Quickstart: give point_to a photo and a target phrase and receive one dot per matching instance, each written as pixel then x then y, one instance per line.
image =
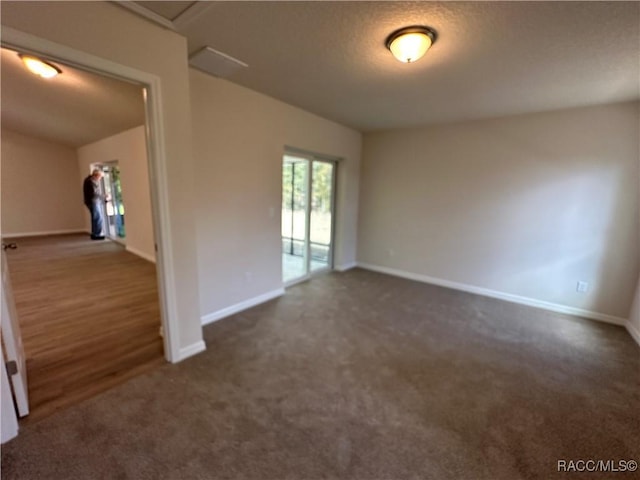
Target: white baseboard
pixel 346 266
pixel 141 254
pixel 192 350
pixel 119 241
pixel 554 307
pixel 633 331
pixel 238 307
pixel 42 234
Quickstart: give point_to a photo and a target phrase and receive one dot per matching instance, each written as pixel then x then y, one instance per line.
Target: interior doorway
pixel 159 184
pixel 90 312
pixel 307 216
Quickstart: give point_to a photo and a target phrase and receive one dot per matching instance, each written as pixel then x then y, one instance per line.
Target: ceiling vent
pixel 215 63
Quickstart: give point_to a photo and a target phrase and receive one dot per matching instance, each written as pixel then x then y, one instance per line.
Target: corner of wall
pixel 191 350
pixel 633 331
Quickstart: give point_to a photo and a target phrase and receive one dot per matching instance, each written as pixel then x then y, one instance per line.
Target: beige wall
pixel 526 205
pixel 129 149
pixel 40 189
pixel 634 316
pixel 105 30
pixel 239 139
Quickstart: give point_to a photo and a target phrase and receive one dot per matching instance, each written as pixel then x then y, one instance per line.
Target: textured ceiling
pixel 74 108
pixel 491 58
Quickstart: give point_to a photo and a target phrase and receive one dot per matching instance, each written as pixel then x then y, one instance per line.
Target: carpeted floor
pixel 360 376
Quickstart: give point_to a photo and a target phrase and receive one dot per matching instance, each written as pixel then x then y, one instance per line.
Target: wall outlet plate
pixel 582 287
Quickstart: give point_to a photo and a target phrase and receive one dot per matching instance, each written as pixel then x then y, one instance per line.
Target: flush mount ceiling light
pixel 411 43
pixel 39 67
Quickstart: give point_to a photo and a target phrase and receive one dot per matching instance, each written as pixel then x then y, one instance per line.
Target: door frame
pixel 311 157
pixel 151 86
pixel 12 341
pixel 8 417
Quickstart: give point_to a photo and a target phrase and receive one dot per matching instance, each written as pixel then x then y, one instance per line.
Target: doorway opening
pixel 91 313
pixel 308 185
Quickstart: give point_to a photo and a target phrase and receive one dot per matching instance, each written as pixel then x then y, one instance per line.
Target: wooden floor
pixel 89 315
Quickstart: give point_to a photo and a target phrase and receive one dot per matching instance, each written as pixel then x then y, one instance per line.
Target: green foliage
pixel 294 186
pixel 117 199
pixel 322 184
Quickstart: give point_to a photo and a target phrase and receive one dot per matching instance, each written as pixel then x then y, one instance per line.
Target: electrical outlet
pixel 582 287
pixel 392 252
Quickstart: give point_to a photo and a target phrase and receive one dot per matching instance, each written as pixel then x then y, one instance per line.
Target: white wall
pixel 239 138
pixel 634 316
pixel 526 205
pixel 105 30
pixel 129 149
pixel 633 325
pixel 40 190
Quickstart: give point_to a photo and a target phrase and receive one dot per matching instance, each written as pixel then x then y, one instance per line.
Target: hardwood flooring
pixel 89 315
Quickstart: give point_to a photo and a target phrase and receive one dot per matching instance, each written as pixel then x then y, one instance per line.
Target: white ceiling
pixel 491 58
pixel 75 108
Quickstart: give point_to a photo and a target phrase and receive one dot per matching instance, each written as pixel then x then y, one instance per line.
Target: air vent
pixel 215 63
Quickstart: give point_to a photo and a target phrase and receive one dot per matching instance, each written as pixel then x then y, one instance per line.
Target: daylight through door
pixel 114 207
pixel 307 216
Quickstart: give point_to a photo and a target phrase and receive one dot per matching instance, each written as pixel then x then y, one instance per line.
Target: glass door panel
pixel 109 230
pixel 295 194
pixel 114 207
pixel 321 221
pixel 116 199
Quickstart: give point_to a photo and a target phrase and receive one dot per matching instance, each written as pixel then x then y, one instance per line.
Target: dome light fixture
pixel 410 43
pixel 39 67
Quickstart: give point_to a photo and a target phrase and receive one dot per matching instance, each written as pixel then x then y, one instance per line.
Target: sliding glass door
pixel 114 206
pixel 307 216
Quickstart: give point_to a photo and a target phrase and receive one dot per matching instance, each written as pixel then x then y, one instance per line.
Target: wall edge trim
pixel 45 233
pixel 191 350
pixel 346 266
pixel 509 297
pixel 239 307
pixel 633 331
pixel 140 254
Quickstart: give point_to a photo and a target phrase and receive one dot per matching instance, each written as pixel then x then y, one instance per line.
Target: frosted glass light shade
pixel 38 67
pixel 411 43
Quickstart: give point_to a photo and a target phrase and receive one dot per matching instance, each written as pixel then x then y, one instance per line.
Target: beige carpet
pixel 360 376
